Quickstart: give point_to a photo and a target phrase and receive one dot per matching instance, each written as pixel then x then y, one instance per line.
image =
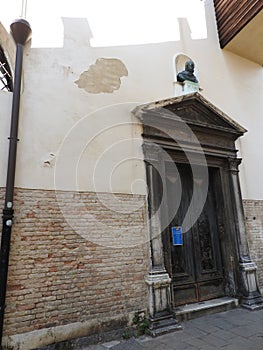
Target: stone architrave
pixel 251 297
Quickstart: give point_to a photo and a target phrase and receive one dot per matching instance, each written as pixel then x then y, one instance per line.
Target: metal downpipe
pixel 21 32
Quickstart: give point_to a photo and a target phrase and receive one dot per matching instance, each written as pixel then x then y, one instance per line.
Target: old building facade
pixel 114 154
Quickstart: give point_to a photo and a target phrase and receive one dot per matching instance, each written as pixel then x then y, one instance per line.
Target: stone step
pixel 164 327
pixel 190 311
pixel 162 324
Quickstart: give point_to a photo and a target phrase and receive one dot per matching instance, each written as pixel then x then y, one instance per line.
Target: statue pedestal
pixel 187 87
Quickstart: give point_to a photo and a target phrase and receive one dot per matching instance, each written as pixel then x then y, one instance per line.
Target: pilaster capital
pixel 233 164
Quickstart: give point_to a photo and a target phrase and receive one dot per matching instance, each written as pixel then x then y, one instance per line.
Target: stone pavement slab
pixel 238 329
pixel 95 347
pixel 131 344
pixel 111 344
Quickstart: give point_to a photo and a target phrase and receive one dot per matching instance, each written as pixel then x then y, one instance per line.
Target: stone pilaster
pixel 158 280
pixel 248 284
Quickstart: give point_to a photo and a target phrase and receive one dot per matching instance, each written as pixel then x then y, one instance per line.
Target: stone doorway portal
pixel 181 136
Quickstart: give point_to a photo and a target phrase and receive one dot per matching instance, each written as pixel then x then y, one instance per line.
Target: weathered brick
pixel 57 276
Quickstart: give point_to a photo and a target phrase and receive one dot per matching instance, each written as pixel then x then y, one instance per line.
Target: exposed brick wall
pixel 254 221
pixel 57 276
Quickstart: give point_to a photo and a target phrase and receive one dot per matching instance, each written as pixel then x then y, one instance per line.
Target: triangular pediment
pixel 194 110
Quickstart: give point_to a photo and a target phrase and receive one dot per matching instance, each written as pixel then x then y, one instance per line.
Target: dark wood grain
pixel 234 15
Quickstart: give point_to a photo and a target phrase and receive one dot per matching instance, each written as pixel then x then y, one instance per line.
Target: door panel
pixel 184 294
pixel 182 263
pixel 195 267
pixel 207 236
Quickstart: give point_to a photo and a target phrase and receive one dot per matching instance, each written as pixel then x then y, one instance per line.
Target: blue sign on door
pixel 177 235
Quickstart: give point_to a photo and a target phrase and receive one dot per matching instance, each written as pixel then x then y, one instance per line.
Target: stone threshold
pixel 190 311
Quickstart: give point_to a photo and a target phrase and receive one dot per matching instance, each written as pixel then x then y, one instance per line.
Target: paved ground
pixel 237 329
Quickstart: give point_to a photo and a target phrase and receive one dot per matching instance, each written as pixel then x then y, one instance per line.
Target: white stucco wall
pixel 79 134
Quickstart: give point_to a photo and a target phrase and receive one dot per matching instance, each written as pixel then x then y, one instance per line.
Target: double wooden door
pixel 195 266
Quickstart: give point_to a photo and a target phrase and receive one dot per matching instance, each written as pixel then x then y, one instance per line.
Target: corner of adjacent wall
pixel 254 222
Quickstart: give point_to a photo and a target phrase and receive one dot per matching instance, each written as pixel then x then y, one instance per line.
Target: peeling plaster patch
pixel 103 76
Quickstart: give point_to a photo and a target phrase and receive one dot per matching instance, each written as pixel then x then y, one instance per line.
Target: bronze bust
pixel 188 73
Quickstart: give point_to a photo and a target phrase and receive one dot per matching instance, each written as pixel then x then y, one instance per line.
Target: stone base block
pixel 252 299
pixel 163 323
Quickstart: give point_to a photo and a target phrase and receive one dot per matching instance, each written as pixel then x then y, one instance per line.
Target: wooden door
pixel 195 267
